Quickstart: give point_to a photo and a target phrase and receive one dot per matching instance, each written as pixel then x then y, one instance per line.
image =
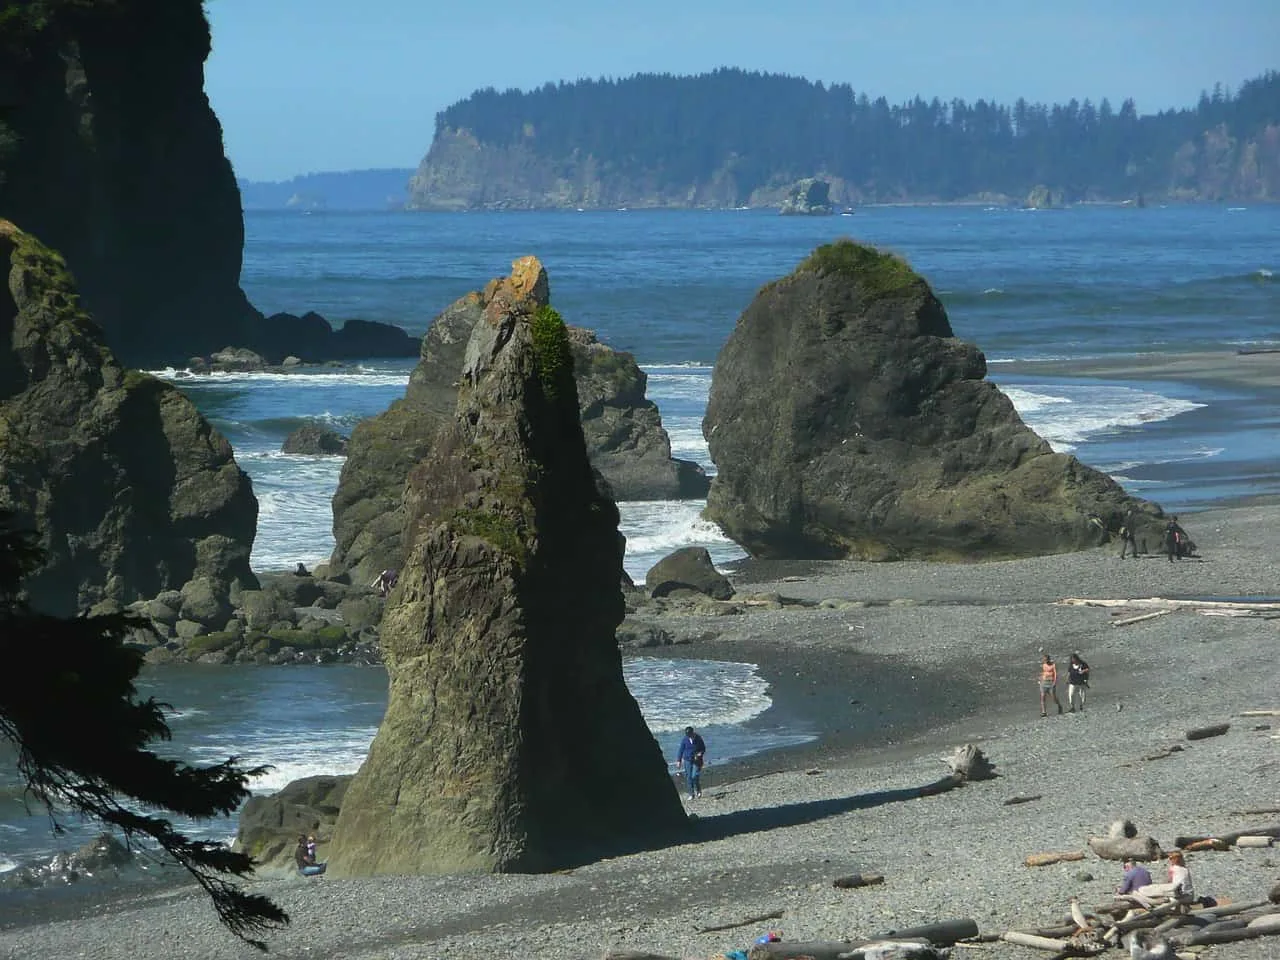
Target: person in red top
pixel 1048 683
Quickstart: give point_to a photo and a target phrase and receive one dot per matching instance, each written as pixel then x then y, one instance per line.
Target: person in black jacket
pixel 1077 683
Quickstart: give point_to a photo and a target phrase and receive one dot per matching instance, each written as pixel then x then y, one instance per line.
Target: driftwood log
pixel 1125 848
pixel 970 763
pixel 1021 799
pixel 745 922
pixel 803 949
pixel 942 934
pixel 1208 843
pixel 1033 941
pixel 1204 733
pixel 854 880
pixel 1045 859
pixel 1232 836
pixel 1249 841
pixel 1260 713
pixel 1125 621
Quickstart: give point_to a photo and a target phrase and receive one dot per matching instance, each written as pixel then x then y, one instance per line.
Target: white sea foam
pixel 6 864
pixel 655 528
pixel 1068 415
pixel 674 694
pixel 354 376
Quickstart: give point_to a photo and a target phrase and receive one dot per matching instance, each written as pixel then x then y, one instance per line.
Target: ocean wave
pixel 673 694
pixel 359 376
pixel 6 865
pixel 657 527
pixel 1068 415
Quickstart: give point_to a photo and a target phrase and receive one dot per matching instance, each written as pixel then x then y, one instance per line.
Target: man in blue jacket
pixel 692 751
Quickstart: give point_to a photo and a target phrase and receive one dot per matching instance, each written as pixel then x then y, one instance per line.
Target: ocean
pixel 668 286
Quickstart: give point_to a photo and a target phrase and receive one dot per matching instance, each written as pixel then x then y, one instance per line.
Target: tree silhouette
pixel 69 707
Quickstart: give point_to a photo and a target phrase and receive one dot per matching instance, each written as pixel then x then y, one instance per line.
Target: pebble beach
pixel 773 832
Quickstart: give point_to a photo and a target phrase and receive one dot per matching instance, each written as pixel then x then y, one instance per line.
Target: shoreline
pixel 771 837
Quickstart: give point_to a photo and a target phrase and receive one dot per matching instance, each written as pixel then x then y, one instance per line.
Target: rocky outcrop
pixel 499 641
pixel 846 420
pixel 110 153
pixel 130 488
pixel 624 436
pixel 687 569
pixel 623 429
pixel 808 197
pixel 270 825
pixel 313 440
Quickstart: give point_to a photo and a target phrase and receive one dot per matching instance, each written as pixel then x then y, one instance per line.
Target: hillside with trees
pixel 734 137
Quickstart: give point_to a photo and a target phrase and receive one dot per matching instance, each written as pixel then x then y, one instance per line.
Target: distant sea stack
pixel 130 489
pixel 846 420
pixel 624 435
pixel 506 682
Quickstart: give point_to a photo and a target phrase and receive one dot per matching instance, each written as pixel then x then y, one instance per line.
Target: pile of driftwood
pixel 1154 607
pixel 1149 928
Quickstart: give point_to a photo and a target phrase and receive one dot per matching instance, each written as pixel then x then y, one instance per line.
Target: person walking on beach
pixel 1128 534
pixel 693 751
pixel 1048 683
pixel 1077 683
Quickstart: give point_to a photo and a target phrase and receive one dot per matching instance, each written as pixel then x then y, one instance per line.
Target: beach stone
pixel 314 440
pixel 893 444
pixel 160 612
pixel 206 601
pixel 642 635
pixel 263 609
pixel 237 359
pixel 270 825
pixel 361 612
pixel 689 568
pixel 189 629
pixel 500 648
pixel 121 476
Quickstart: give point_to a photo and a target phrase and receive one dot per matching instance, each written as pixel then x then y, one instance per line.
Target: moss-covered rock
pixel 500 639
pixel 132 490
pixel 847 420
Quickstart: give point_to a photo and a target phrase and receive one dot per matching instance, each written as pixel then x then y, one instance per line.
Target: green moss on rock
pixel 877 274
pixel 210 643
pixel 551 349
pixel 500 531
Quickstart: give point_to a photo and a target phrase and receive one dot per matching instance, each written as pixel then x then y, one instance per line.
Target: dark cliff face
pixel 118 163
pixel 847 420
pixel 131 490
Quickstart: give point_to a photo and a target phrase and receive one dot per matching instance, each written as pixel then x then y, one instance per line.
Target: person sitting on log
pixel 1178 889
pixel 1135 876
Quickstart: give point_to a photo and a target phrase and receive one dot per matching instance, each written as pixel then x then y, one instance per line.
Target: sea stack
pixel 131 490
pixel 510 742
pixel 846 420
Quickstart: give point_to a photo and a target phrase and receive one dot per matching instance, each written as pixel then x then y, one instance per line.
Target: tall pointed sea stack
pixel 510 741
pixel 847 420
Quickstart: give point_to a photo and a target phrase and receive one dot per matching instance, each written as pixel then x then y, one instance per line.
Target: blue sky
pixel 337 85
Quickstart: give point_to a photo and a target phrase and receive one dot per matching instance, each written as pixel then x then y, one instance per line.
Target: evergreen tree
pixel 69 708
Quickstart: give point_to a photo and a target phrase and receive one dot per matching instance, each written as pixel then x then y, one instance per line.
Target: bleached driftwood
pixel 1125 848
pixel 1125 621
pixel 1259 713
pixel 1031 940
pixel 1247 841
pixel 943 933
pixel 1231 836
pixel 1045 859
pixel 970 763
pixel 1164 603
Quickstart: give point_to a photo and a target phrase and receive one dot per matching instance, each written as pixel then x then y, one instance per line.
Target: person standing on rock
pixel 1077 683
pixel 1128 534
pixel 693 751
pixel 1048 683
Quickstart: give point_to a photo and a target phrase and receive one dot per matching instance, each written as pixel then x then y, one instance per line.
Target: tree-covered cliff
pixel 733 137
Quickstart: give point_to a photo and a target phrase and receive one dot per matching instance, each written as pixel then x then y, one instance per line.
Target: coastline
pixel 963 642
pixel 771 836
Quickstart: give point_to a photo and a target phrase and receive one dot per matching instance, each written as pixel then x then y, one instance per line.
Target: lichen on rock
pixel 847 420
pixel 504 671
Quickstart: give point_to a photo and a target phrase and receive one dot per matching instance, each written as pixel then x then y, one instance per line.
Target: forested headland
pixel 735 137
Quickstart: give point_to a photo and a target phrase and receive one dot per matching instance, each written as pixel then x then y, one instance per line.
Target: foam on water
pixel 358 376
pixel 655 528
pixel 295 507
pixel 1070 414
pixel 676 693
